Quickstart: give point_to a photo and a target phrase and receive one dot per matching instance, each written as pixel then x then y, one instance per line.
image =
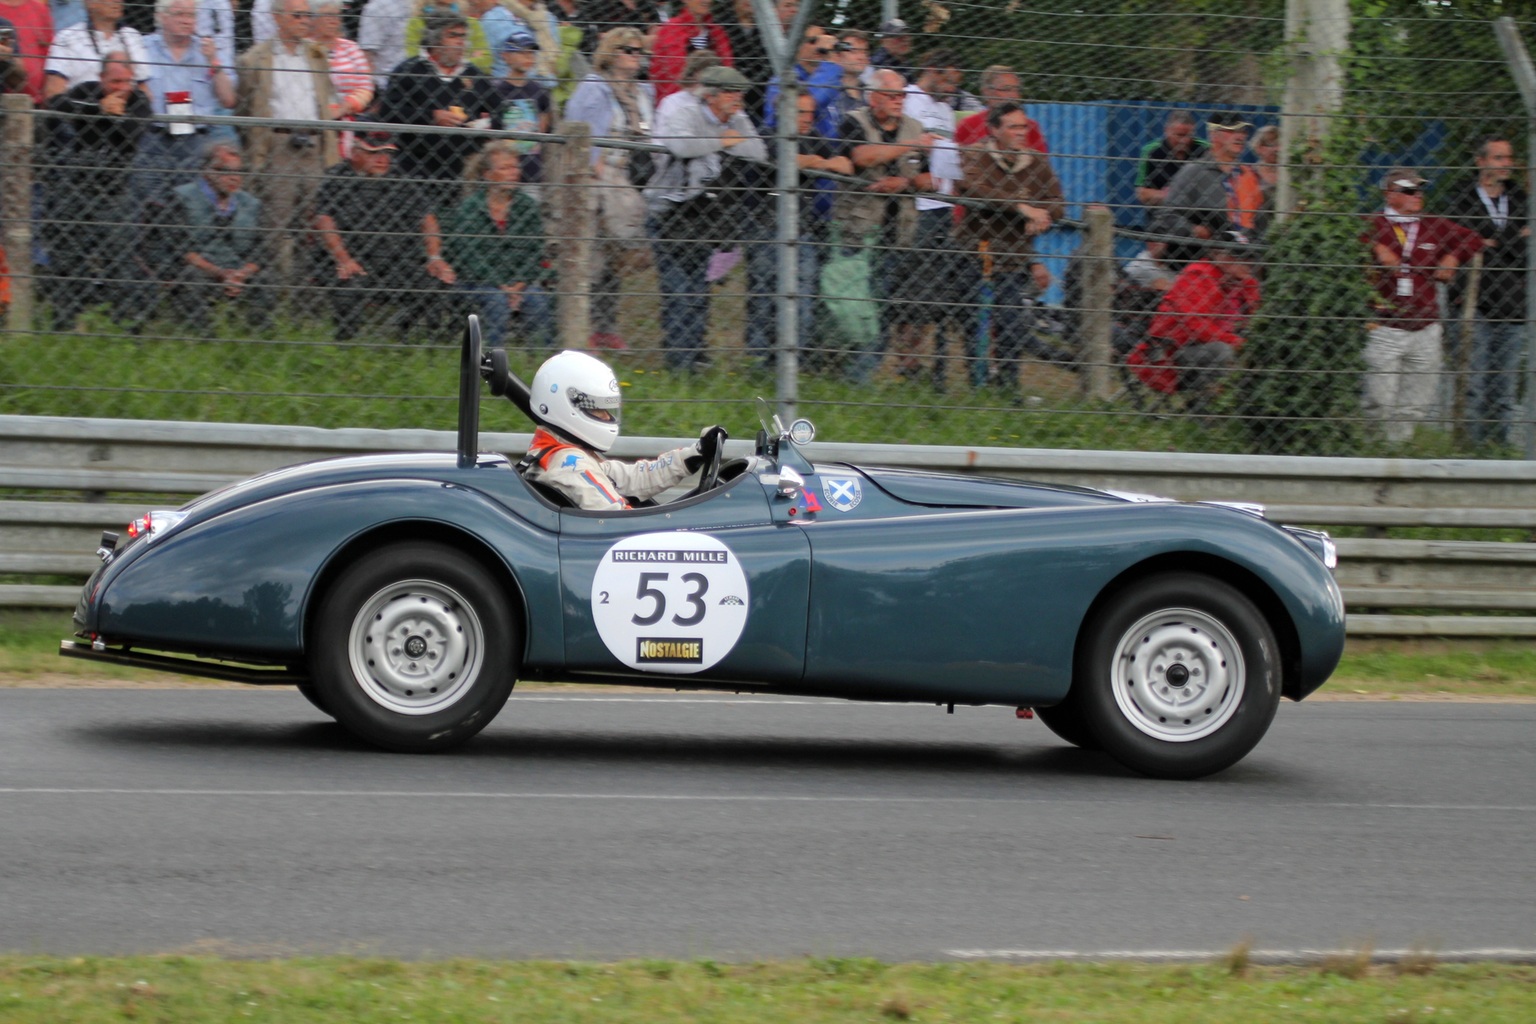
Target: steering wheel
pixel 709 474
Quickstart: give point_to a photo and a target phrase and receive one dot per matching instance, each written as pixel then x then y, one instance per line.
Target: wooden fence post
pixel 1098 302
pixel 574 228
pixel 16 203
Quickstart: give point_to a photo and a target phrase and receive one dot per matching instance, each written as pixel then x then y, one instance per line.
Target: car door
pixel 713 588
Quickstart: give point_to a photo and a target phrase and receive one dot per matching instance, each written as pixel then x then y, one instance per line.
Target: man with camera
pixel 26 33
pixel 693 203
pixel 287 78
pixel 88 213
pixel 13 74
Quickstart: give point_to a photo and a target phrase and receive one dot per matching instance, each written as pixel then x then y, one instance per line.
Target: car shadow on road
pixel 893 759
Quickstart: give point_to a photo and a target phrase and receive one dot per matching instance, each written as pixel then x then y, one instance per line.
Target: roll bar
pixel 493 367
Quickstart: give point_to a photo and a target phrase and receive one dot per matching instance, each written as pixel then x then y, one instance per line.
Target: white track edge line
pixel 659 797
pixel 1266 957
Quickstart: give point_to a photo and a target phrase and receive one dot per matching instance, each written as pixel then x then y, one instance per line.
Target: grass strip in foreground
pixel 43 990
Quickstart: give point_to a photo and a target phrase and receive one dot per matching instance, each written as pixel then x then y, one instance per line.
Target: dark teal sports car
pixel 405 594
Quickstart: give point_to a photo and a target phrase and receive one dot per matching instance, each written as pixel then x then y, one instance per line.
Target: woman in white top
pixel 77 51
pixel 616 107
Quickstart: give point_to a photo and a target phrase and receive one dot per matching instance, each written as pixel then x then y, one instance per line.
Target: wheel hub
pixel 415 647
pixel 1178 674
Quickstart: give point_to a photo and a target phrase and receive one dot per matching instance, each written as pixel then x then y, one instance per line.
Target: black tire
pixel 415 647
pixel 307 688
pixel 1066 721
pixel 1178 676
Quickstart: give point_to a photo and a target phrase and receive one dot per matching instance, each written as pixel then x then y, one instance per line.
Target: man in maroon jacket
pixel 1412 254
pixel 691 30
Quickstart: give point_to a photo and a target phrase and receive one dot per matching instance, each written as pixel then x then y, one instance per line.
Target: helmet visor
pixel 600 409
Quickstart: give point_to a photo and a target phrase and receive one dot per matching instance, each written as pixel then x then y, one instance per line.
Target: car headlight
pixel 1319 543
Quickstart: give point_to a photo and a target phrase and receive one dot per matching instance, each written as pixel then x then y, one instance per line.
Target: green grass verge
pixel 294 374
pixel 40 990
pixel 29 642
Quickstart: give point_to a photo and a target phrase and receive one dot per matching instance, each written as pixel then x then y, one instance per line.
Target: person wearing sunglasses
pixel 1412 254
pixel 615 105
pixel 819 75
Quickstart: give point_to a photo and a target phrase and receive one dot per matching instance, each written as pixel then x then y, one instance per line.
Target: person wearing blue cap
pixel 500 25
pixel 525 103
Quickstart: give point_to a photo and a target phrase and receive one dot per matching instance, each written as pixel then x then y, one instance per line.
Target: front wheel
pixel 1178 676
pixel 415 647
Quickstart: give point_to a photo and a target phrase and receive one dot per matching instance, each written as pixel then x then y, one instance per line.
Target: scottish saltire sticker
pixel 843 492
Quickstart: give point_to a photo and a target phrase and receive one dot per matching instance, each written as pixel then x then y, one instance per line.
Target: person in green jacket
pixel 495 242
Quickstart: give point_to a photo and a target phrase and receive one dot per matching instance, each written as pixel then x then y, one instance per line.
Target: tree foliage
pixel 1302 394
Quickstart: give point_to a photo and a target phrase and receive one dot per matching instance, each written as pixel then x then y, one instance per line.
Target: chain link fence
pixel 1004 223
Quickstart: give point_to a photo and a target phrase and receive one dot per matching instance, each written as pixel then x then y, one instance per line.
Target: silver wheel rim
pixel 415 647
pixel 1178 675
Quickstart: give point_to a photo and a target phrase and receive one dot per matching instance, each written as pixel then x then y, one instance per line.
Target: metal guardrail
pixel 63 480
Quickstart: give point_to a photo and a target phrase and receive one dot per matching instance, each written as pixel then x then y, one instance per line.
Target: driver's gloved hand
pixel 709 439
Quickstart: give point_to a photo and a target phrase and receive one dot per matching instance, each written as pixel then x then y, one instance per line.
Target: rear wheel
pixel 1178 676
pixel 1066 720
pixel 415 647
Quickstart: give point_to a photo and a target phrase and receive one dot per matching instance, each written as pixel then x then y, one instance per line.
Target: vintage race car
pixel 405 593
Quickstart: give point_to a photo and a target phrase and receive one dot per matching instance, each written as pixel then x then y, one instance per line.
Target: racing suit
pixel 604 485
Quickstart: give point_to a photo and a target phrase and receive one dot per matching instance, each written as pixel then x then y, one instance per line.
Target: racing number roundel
pixel 670 602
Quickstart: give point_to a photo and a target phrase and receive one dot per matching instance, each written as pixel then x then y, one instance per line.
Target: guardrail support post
pixel 16 200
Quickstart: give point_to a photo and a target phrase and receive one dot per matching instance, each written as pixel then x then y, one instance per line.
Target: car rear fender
pixel 244 582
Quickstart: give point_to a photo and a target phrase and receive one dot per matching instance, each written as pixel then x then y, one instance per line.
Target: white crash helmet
pixel 578 396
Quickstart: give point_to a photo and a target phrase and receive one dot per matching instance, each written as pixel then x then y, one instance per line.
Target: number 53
pixel 647 590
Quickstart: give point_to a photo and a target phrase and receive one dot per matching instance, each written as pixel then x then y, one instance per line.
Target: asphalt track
pixel 607 826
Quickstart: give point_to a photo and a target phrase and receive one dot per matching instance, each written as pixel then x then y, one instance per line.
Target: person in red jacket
pixel 691 30
pixel 1199 325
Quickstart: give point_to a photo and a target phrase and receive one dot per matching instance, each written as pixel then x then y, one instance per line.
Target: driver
pixel 577 398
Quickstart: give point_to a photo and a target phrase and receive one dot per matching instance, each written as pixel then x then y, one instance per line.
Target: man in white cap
pixel 1215 193
pixel 1413 254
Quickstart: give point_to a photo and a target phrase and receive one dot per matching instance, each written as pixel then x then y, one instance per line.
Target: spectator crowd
pixel 920 204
